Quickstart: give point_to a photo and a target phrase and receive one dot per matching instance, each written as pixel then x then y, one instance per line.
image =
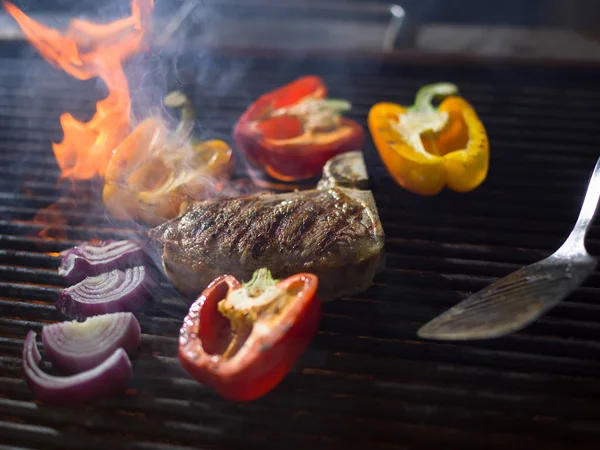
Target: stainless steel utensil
pixel 513 302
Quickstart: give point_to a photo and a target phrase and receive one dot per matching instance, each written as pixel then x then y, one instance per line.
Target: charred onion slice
pixel 92 259
pixel 73 347
pixel 110 292
pixel 108 377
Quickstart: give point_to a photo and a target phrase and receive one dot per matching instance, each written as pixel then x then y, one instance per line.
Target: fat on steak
pixel 333 232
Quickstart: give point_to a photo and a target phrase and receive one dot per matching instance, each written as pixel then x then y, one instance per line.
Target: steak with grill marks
pixel 333 232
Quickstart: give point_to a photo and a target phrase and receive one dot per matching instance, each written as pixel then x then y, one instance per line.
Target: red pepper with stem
pixel 293 131
pixel 242 339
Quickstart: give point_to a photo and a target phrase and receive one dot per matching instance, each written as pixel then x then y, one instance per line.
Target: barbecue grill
pixel 367 381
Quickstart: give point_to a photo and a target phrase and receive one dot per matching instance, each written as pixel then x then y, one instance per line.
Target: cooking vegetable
pixel 293 131
pixel 93 259
pixel 243 339
pixel 347 170
pixel 109 292
pixel 426 148
pixel 154 172
pixel 73 347
pixel 108 377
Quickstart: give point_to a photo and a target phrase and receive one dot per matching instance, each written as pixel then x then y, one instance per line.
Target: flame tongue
pixel 86 50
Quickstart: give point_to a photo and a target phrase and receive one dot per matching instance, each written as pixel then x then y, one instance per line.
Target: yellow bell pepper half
pixel 154 172
pixel 425 148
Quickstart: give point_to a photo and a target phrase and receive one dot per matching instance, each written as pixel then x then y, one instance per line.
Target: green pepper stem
pixel 337 105
pixel 426 94
pixel 260 281
pixel 177 99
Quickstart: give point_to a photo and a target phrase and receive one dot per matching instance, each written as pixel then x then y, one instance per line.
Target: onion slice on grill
pixel 92 259
pixel 73 347
pixel 109 292
pixel 104 379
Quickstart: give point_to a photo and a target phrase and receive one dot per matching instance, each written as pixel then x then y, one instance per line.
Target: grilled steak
pixel 333 232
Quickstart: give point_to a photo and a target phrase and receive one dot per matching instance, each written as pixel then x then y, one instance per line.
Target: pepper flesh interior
pixel 316 114
pixel 422 123
pixel 260 302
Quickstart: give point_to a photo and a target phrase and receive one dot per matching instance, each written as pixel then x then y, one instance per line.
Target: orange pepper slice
pixel 426 148
pixel 153 173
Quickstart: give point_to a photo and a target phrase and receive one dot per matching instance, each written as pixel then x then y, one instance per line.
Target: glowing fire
pixel 149 173
pixel 86 50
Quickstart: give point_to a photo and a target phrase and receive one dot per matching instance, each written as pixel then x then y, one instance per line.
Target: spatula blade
pixel 509 304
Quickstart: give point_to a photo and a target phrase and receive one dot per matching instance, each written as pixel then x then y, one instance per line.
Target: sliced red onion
pixel 93 259
pixel 109 292
pixel 104 379
pixel 73 347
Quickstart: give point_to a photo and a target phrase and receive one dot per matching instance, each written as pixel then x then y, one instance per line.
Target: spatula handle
pixel 588 210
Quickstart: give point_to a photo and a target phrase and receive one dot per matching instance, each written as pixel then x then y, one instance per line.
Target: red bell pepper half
pixel 242 339
pixel 293 131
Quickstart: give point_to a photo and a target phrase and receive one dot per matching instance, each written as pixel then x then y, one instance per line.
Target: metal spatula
pixel 518 299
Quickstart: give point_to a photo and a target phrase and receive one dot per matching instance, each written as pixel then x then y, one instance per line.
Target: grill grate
pixel 367 380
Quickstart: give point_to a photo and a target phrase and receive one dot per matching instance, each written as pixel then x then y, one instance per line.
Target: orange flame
pixel 86 50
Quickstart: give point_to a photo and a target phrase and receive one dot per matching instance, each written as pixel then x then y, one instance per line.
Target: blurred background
pixel 550 29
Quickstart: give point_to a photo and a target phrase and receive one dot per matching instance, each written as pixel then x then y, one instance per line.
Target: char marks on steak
pixel 334 233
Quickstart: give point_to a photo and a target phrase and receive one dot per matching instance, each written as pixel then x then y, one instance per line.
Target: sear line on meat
pixel 333 232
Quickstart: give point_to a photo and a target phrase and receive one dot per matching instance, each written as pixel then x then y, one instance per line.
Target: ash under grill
pixel 367 381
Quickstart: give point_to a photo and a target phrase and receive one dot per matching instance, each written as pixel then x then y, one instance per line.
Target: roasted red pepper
pixel 242 339
pixel 293 131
